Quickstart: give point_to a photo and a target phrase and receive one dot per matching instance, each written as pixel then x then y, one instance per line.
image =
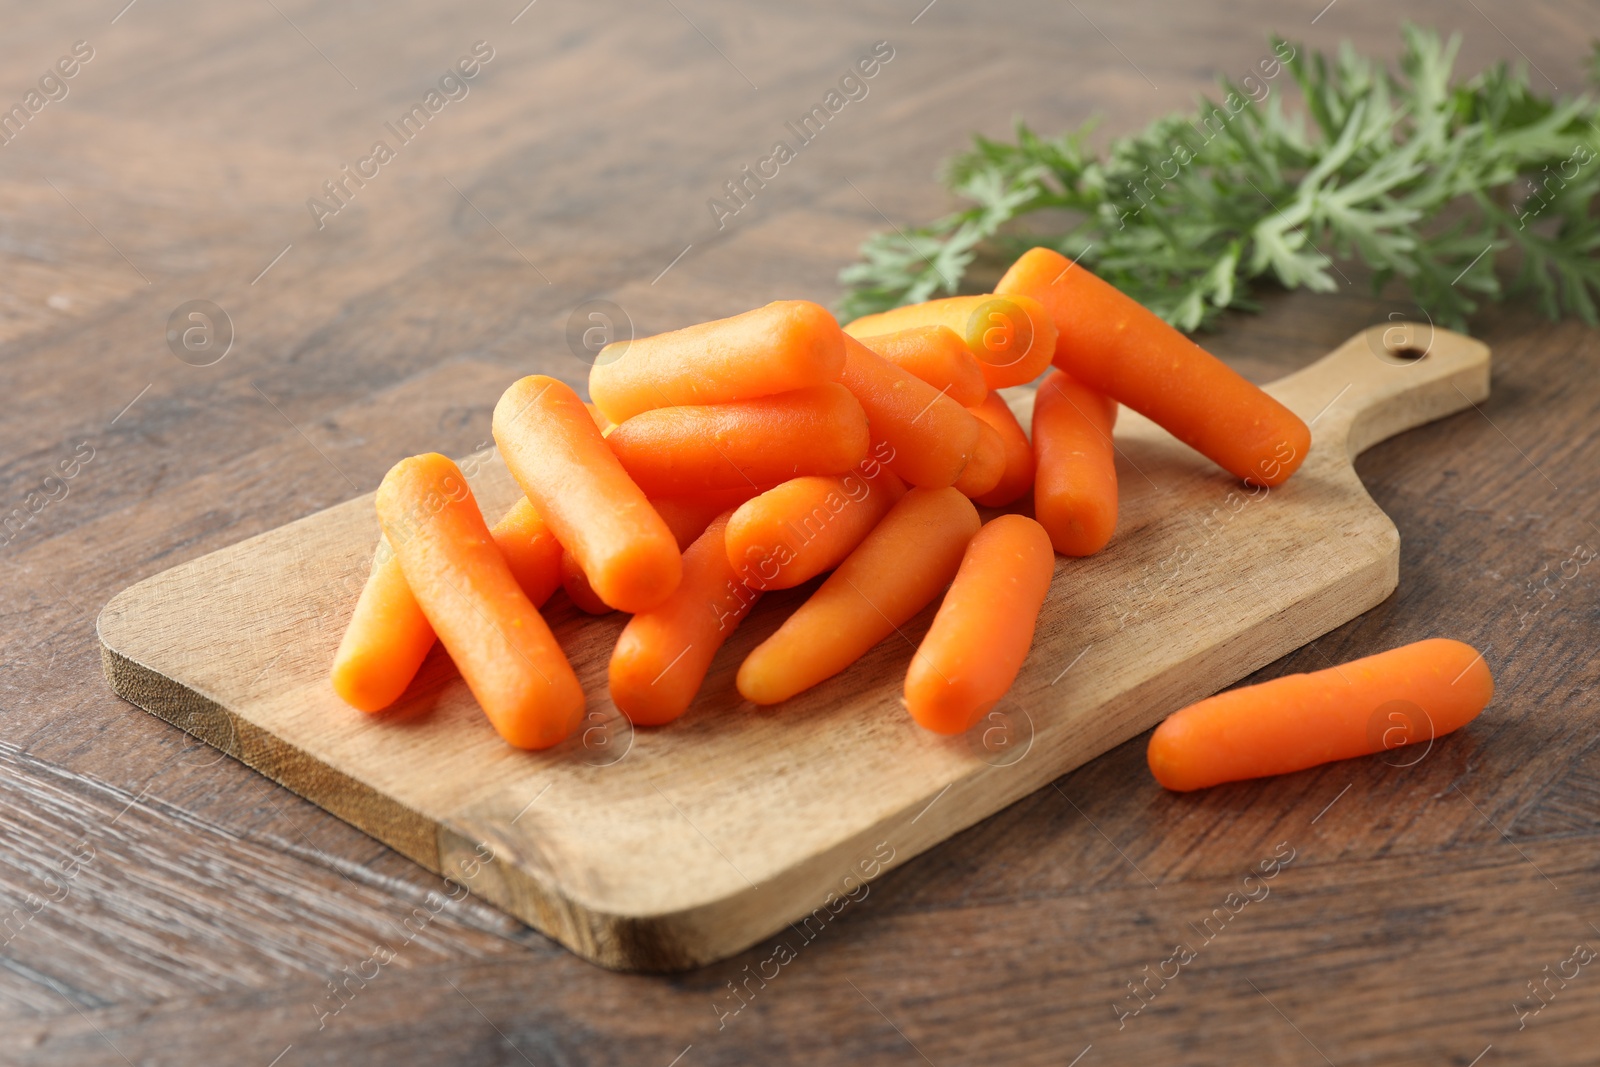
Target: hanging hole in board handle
pixel 1402 342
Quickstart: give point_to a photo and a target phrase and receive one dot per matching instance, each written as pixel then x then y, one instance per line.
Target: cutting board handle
pixel 1383 381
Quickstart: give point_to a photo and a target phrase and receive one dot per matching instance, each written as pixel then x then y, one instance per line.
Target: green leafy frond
pixel 1416 175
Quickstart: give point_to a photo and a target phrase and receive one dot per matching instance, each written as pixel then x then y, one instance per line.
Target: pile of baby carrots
pixel 758 452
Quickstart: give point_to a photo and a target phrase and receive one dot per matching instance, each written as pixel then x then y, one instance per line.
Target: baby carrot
pixel 1011 334
pixel 1018 476
pixel 579 591
pixel 531 550
pixel 574 481
pixel 389 637
pixel 687 515
pixel 764 441
pixel 988 464
pixel 1113 344
pixel 1409 694
pixel 663 654
pixel 789 344
pixel 938 356
pixel 505 652
pixel 805 526
pixel 984 628
pixel 891 575
pixel 930 437
pixel 1075 481
pixel 386 641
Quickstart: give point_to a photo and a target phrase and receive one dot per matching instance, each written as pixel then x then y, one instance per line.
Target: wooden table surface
pixel 163 904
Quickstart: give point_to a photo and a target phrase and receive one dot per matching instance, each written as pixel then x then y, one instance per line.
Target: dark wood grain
pixel 201 912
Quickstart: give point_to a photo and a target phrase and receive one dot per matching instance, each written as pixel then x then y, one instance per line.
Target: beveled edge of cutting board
pixel 620 942
pixel 407 832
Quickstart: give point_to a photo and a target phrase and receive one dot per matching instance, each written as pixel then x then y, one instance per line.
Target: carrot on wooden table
pixel 578 589
pixel 797 530
pixel 499 642
pixel 688 514
pixel 938 356
pixel 662 655
pixel 987 465
pixel 1017 478
pixel 1011 334
pixel 759 442
pixel 984 629
pixel 930 438
pixel 1404 696
pixel 1075 474
pixel 788 344
pixel 892 575
pixel 574 481
pixel 388 636
pixel 1112 343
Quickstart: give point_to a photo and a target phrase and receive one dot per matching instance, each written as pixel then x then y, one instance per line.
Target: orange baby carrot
pixel 984 628
pixel 1404 696
pixel 505 652
pixel 1075 480
pixel 764 441
pixel 1011 334
pixel 1018 476
pixel 389 637
pixel 574 481
pixel 892 575
pixel 938 356
pixel 930 438
pixel 988 464
pixel 531 550
pixel 1113 344
pixel 789 344
pixel 687 515
pixel 579 591
pixel 805 526
pixel 663 654
pixel 386 641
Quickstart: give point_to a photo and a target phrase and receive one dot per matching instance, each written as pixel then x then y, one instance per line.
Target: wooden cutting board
pixel 666 848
